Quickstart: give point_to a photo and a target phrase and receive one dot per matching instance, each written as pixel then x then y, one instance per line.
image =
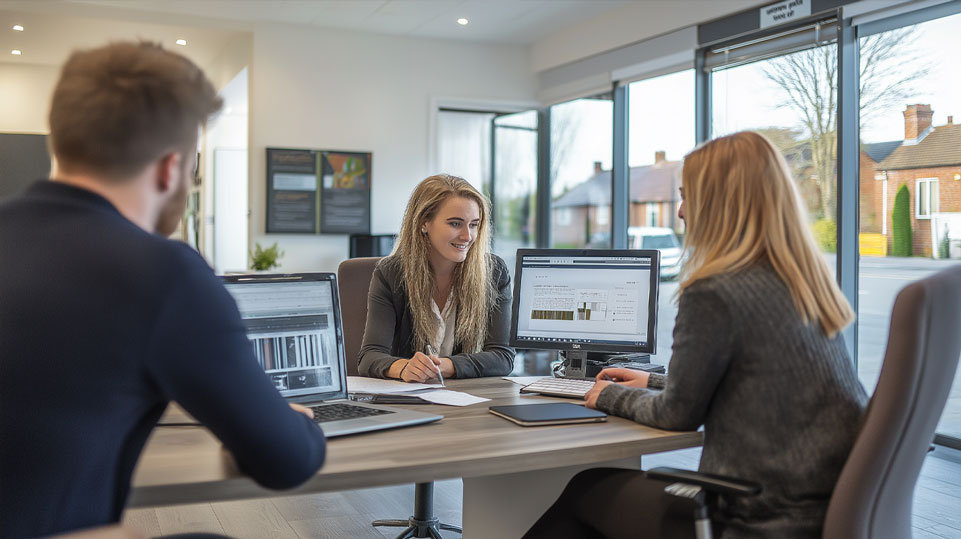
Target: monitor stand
pixel 577 362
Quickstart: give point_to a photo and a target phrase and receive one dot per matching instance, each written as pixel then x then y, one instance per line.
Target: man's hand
pixel 590 400
pixel 624 377
pixel 303 409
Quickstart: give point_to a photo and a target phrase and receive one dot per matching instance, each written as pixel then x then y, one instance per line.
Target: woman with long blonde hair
pixel 440 303
pixel 758 361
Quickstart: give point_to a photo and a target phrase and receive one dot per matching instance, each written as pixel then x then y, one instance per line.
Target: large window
pixel 909 174
pixel 514 185
pixel 661 132
pixel 580 168
pixel 497 153
pixel 791 99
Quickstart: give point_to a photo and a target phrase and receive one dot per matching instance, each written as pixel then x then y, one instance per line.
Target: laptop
pixel 294 325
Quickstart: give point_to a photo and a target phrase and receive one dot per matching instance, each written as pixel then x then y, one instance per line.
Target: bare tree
pixel 809 79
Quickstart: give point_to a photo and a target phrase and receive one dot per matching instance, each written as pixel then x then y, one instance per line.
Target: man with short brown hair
pixel 103 320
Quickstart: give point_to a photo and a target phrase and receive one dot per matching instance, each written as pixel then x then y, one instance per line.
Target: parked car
pixel 664 240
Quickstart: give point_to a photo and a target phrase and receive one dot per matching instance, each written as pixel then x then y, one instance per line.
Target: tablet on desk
pixel 550 413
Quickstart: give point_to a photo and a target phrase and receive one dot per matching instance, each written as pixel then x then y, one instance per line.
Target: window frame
pixel 932 199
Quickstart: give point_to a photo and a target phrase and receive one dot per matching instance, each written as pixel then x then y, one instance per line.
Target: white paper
pixel 524 380
pixel 450 398
pixel 363 384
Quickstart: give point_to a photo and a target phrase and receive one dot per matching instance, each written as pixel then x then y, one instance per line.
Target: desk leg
pixel 505 506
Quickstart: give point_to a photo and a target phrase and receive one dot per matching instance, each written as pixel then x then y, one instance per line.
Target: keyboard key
pixel 338 412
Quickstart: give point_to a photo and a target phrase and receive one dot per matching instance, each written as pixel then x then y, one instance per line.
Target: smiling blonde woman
pixel 441 301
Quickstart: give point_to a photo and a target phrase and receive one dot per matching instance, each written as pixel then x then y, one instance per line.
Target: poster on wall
pixel 345 197
pixel 318 192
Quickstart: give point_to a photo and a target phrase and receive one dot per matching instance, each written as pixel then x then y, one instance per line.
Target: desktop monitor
pixel 587 303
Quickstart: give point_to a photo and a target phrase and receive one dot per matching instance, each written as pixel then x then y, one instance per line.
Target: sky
pixel 661 110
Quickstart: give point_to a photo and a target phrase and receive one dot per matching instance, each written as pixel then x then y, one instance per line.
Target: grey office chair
pixel 874 493
pixel 353 280
pixel 353 277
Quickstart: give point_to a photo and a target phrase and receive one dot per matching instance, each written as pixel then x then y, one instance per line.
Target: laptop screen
pixel 293 324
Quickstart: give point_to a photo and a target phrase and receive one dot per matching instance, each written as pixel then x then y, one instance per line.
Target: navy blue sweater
pixel 101 324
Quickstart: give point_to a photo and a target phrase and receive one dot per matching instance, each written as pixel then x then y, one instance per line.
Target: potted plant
pixel 265 259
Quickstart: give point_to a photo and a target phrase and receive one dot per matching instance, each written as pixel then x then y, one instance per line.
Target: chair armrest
pixel 712 483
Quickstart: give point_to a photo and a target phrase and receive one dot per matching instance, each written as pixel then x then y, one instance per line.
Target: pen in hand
pixel 432 354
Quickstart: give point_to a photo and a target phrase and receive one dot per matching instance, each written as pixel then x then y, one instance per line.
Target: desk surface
pixel 188 465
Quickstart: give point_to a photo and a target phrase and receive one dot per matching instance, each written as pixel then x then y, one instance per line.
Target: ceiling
pixel 208 25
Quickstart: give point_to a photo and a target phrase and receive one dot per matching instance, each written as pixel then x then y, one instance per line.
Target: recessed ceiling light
pixel 182 42
pixel 18 28
pixel 462 21
pixel 16 52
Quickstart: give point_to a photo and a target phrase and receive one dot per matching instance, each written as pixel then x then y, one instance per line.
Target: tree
pixel 889 67
pixel 901 223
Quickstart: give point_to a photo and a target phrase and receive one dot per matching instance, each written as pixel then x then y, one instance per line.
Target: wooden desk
pixel 188 465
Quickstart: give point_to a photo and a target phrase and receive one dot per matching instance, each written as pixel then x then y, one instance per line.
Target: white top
pixel 443 340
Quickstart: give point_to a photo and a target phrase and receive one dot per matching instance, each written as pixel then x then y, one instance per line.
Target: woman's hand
pixel 590 399
pixel 624 377
pixel 421 368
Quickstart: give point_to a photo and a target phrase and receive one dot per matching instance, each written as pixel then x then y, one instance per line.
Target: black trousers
pixel 613 503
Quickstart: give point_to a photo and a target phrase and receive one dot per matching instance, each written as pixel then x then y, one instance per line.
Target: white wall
pixel 25 92
pixel 341 90
pixel 630 24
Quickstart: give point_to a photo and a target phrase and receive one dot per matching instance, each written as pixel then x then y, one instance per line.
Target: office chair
pixel 353 278
pixel 873 496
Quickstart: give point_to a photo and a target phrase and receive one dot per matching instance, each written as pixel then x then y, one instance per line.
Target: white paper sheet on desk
pixel 523 380
pixel 363 384
pixel 450 398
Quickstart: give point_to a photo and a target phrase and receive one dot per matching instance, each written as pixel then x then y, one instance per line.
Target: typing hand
pixel 302 409
pixel 590 399
pixel 420 368
pixel 624 377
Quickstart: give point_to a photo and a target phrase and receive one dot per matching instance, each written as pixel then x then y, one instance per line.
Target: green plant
pixel 901 223
pixel 826 234
pixel 944 246
pixel 265 259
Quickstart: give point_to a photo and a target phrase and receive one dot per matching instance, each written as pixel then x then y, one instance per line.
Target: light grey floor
pixel 937 507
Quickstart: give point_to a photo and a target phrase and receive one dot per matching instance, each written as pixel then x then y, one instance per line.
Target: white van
pixel 664 240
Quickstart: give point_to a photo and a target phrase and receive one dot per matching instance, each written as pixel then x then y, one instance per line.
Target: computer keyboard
pixel 574 388
pixel 338 411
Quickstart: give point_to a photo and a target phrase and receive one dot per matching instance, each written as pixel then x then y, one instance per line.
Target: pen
pixel 431 353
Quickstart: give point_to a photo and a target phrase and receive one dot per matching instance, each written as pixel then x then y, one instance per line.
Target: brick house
pixel 928 162
pixel 582 216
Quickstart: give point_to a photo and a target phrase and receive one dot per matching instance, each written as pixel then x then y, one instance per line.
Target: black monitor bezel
pixel 650 346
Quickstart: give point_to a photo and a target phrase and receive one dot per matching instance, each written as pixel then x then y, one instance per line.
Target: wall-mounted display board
pixel 318 191
pixel 23 160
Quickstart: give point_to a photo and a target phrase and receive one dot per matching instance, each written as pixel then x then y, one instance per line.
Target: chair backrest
pixel 875 490
pixel 353 278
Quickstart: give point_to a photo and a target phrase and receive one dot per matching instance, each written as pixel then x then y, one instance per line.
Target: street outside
pixel 880 280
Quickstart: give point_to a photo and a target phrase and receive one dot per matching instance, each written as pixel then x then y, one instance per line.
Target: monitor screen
pixel 292 326
pixel 586 299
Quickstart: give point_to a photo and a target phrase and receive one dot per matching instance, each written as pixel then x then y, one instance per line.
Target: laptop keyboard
pixel 338 412
pixel 560 387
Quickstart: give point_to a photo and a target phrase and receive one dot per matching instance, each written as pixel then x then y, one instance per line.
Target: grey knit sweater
pixel 780 402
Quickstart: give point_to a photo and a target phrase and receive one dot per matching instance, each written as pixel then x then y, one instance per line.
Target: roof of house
pixel 878 151
pixel 651 183
pixel 940 148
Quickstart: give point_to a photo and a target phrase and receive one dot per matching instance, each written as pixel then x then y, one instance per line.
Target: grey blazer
pixel 388 335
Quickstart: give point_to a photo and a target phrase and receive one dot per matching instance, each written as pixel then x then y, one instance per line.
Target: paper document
pixel 524 380
pixel 450 398
pixel 363 384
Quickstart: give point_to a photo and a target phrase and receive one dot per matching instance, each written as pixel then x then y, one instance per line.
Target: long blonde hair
pixel 741 207
pixel 471 287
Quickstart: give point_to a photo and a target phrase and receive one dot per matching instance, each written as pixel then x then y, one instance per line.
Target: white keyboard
pixel 574 388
